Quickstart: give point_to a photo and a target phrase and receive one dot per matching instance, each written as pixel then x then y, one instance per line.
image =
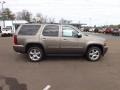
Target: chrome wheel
pixel 94 53
pixel 35 54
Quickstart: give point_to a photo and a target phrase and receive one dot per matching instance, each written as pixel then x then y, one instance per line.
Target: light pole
pixel 3 2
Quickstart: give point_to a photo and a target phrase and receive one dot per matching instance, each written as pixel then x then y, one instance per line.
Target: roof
pixel 78 24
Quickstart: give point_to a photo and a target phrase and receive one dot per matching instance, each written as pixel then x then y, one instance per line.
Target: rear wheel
pixel 35 54
pixel 94 53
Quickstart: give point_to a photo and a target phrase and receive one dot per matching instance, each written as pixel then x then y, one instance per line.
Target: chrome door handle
pixel 43 38
pixel 64 39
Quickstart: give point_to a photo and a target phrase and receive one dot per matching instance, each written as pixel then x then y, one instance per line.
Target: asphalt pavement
pixel 106 36
pixel 59 73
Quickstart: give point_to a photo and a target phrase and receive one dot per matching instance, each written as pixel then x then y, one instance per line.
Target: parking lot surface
pixel 106 36
pixel 62 73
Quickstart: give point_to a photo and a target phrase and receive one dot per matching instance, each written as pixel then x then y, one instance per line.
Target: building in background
pixel 78 25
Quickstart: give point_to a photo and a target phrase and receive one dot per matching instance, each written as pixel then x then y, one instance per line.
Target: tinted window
pixel 51 30
pixel 29 29
pixel 68 32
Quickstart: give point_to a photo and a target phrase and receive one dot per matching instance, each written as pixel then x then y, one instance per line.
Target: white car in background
pixel 6 31
pixel 91 29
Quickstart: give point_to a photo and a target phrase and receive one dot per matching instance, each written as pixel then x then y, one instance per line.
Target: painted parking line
pixel 47 87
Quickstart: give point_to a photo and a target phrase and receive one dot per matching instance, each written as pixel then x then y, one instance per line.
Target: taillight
pixel 15 39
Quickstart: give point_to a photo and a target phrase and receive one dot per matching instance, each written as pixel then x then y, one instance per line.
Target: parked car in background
pixel 91 30
pixel 116 32
pixel 81 29
pixel 96 30
pixel 86 29
pixel 108 31
pixel 39 40
pixel 6 32
pixel 102 30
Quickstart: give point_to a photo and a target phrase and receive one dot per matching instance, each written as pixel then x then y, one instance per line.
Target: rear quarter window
pixel 29 29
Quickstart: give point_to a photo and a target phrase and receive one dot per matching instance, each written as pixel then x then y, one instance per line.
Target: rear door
pixel 50 38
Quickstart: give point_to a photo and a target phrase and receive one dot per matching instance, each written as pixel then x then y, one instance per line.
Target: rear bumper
pixel 105 49
pixel 19 48
pixel 116 33
pixel 6 34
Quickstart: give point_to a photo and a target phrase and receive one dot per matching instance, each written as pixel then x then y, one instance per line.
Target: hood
pixel 93 37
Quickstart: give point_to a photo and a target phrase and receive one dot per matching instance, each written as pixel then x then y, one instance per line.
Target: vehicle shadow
pixel 56 58
pixel 24 58
pixel 65 58
pixel 9 83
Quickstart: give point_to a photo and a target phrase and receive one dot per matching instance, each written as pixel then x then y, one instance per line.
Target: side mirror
pixel 79 35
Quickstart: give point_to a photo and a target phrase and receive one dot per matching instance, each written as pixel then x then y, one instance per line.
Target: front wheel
pixel 35 54
pixel 94 54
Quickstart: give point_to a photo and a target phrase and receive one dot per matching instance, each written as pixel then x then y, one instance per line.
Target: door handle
pixel 64 39
pixel 43 38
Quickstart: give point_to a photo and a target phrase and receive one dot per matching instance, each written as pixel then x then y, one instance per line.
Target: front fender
pixel 94 43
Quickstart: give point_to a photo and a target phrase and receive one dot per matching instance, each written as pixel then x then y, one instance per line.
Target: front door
pixel 70 42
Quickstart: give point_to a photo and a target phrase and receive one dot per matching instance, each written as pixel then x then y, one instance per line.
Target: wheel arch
pixel 27 46
pixel 94 45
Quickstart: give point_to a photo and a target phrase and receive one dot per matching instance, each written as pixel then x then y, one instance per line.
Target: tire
pixel 35 54
pixel 118 34
pixel 94 53
pixel 2 35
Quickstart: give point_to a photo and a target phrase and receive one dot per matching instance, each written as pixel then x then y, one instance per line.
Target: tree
pixel 51 20
pixel 7 14
pixel 118 25
pixel 24 15
pixel 63 21
pixel 39 18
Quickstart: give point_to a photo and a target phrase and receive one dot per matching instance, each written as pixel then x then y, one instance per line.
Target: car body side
pixel 57 45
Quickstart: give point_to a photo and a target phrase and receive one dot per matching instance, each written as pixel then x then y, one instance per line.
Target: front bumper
pixel 105 49
pixel 19 48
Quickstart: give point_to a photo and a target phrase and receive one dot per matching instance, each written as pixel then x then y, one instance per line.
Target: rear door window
pixel 29 29
pixel 51 30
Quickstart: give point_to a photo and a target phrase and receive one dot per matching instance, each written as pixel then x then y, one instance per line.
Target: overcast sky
pixel 99 12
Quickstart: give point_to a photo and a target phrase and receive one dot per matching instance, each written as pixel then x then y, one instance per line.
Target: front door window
pixel 69 32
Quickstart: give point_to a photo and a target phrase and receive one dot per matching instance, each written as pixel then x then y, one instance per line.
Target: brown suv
pixel 38 40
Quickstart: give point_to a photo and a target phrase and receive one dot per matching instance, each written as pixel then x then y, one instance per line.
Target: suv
pixel 6 31
pixel 39 40
pixel 116 32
